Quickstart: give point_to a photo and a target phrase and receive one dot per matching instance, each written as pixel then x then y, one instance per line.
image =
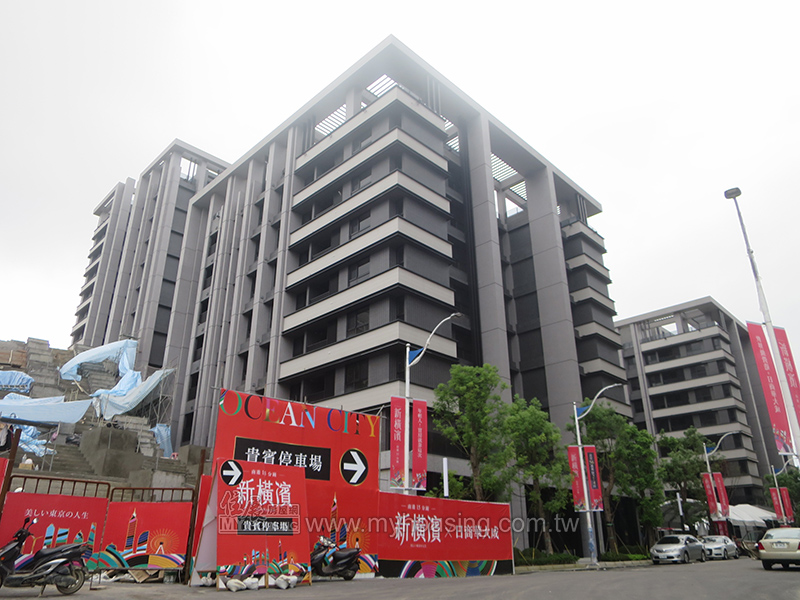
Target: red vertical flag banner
pixel 593 478
pixel 578 498
pixel 397 446
pixel 708 485
pixel 787 503
pixel 776 502
pixel 789 368
pixel 772 391
pixel 722 494
pixel 419 464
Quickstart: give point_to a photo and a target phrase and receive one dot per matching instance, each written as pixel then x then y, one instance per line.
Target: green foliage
pixel 621 556
pixel 531 557
pixel 789 479
pixel 683 470
pixel 459 488
pixel 626 456
pixel 466 411
pixel 538 457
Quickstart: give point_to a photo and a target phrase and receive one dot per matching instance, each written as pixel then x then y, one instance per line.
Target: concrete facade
pixel 383 205
pixel 693 365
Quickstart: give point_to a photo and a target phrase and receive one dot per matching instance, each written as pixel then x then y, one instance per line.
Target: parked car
pixel 678 548
pixel 720 546
pixel 780 546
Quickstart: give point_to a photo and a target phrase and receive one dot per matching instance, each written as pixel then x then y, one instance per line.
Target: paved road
pixel 721 580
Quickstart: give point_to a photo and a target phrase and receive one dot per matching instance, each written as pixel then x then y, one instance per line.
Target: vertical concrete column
pixel 276 350
pixel 491 297
pixel 552 290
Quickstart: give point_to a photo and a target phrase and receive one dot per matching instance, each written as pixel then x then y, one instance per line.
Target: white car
pixel 677 548
pixel 720 546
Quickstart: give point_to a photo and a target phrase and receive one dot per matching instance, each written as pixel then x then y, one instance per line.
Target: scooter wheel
pixel 348 575
pixel 80 577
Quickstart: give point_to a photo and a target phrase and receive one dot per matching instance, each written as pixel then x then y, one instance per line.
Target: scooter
pixel 327 560
pixel 61 566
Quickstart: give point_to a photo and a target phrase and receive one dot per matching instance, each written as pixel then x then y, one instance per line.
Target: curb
pixel 601 566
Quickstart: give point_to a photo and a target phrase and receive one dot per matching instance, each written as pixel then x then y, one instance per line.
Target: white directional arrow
pixel 231 472
pixel 358 466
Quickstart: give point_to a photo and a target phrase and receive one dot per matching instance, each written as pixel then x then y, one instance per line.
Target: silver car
pixel 780 546
pixel 678 548
pixel 720 546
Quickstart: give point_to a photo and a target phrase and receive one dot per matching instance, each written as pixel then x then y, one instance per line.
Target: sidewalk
pixel 600 566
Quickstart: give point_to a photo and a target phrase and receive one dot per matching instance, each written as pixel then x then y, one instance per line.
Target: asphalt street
pixel 719 580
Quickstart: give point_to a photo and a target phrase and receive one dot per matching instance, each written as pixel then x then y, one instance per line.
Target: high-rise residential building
pixel 133 263
pixel 692 365
pixel 386 203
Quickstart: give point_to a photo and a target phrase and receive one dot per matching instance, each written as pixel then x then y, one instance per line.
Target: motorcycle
pixel 61 566
pixel 327 560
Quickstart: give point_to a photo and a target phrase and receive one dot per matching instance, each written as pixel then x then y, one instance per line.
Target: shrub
pixel 618 556
pixel 530 557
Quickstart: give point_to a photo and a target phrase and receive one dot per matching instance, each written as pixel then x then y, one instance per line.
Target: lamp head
pixel 733 193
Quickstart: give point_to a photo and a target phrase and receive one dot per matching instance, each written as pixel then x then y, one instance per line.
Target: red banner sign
pixel 578 497
pixel 787 504
pixel 261 516
pixel 62 519
pixel 771 387
pixel 397 443
pixel 708 486
pixel 593 478
pixel 789 368
pixel 722 494
pixel 431 529
pixel 419 465
pixel 146 535
pixel 776 502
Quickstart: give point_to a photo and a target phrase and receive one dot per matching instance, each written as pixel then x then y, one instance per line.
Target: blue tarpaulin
pixel 13 398
pixel 110 405
pixel 16 381
pixel 63 412
pixel 122 352
pixel 164 439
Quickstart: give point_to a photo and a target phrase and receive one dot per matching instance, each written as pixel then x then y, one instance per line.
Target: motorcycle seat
pixel 45 552
pixel 347 553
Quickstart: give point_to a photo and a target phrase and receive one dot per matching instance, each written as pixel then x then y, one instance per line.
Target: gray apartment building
pixel 133 263
pixel 388 202
pixel 693 365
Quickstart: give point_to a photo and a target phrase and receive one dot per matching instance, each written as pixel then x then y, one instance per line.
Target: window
pixel 399 256
pixel 358 271
pixel 188 169
pixel 359 224
pixel 395 162
pixel 361 140
pixel 360 182
pixel 356 376
pixel 357 322
pixel 698 371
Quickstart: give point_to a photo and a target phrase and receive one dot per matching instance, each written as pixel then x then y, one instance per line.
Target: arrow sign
pixel 357 468
pixel 231 472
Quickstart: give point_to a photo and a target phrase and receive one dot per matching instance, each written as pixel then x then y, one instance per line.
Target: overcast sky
pixel 655 109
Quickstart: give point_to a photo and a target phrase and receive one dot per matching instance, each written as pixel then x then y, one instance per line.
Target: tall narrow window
pixel 359 224
pixel 356 376
pixel 358 271
pixel 357 322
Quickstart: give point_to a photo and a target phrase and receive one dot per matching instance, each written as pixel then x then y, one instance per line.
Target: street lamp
pixel 584 483
pixel 775 473
pixel 410 363
pixel 794 427
pixel 707 455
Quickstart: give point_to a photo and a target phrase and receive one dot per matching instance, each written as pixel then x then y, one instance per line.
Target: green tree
pixel 538 459
pixel 467 412
pixel 683 470
pixel 626 457
pixel 790 479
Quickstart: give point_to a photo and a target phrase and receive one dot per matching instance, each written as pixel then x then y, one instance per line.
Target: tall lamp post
pixel 410 362
pixel 794 427
pixel 707 455
pixel 578 416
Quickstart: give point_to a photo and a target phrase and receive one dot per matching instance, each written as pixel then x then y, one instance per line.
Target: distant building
pixel 388 202
pixel 692 365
